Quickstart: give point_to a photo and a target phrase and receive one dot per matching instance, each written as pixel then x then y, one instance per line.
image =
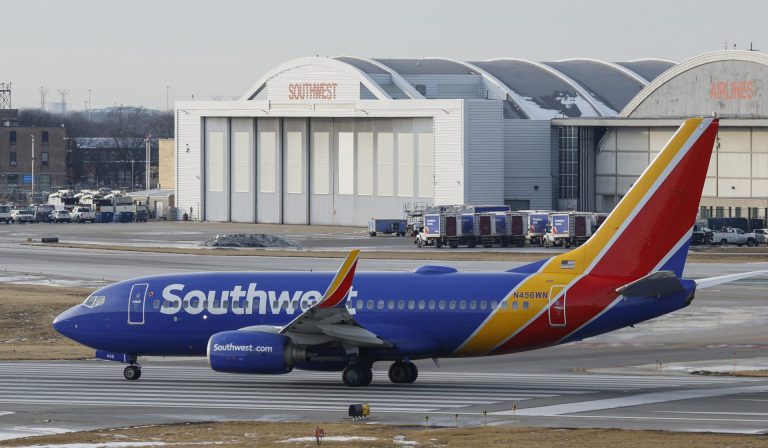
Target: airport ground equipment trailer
pixel 387 227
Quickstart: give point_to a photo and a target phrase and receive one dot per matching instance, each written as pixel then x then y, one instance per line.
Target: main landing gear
pixel 403 372
pixel 357 375
pixel 132 372
pixel 360 374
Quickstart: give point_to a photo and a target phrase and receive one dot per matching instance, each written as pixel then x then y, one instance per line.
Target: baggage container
pixel 387 227
pixel 537 227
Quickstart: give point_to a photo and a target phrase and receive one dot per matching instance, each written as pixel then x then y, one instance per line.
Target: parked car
pixel 5 213
pixel 761 236
pixel 60 216
pixel 82 214
pixel 22 215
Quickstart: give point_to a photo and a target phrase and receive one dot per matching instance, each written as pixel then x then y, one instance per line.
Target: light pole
pixel 32 199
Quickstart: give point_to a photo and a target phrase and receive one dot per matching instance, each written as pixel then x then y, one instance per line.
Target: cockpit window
pixel 94 301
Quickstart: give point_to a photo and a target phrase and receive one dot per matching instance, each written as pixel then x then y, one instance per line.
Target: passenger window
pixel 514 305
pixel 431 304
pixel 359 304
pixel 452 304
pixel 370 304
pixel 504 305
pixel 381 304
pixel 463 305
pixel 186 303
pixel 494 304
pixel 401 304
pixel 473 305
pixel 156 304
pixel 411 304
pixel 525 305
pixel 422 304
pixel 391 305
pixel 483 305
pixel 441 304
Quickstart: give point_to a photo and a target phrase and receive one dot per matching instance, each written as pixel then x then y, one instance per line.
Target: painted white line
pixel 632 400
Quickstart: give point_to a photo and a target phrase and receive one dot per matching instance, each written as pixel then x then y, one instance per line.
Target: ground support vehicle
pixel 491 229
pixel 430 234
pixel 731 235
pixel 83 214
pixel 5 213
pixel 22 215
pixel 537 227
pixel 387 227
pixel 761 236
pixel 569 229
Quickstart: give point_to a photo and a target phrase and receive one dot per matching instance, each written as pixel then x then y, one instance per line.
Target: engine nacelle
pixel 241 351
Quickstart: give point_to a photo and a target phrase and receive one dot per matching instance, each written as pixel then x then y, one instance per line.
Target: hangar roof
pixel 536 90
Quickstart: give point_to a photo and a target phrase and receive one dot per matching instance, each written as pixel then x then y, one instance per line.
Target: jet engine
pixel 241 351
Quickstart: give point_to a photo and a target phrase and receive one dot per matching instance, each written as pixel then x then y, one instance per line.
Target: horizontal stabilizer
pixel 714 281
pixel 657 284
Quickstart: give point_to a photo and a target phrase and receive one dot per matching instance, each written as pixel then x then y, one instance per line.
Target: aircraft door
pixel 557 299
pixel 136 302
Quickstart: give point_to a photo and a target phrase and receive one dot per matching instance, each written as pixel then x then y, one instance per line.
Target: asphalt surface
pixel 633 378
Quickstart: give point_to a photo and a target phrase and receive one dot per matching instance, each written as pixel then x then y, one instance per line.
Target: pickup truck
pixel 82 214
pixel 761 236
pixel 731 235
pixel 21 216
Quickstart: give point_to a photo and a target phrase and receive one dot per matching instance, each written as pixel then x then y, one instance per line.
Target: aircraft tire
pixel 132 373
pixel 413 372
pixel 357 375
pixel 399 372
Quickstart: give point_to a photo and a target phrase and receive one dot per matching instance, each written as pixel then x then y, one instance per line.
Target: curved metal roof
pixel 431 66
pixel 605 81
pixel 539 85
pixel 649 69
pixel 566 88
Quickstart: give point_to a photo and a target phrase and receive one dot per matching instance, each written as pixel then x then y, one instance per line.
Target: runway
pixel 88 394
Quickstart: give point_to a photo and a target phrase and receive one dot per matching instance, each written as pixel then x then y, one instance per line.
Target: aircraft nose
pixel 66 322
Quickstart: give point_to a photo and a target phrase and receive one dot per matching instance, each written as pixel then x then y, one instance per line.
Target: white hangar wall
pixel 261 161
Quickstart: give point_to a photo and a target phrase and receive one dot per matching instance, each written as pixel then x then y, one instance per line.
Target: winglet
pixel 342 282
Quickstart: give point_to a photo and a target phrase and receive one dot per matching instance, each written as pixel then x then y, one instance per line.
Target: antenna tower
pixel 63 93
pixel 43 95
pixel 5 95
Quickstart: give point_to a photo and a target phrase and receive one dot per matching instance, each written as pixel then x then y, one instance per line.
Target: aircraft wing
pixel 328 320
pixel 714 281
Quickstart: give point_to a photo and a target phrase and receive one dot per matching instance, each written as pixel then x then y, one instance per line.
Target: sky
pixel 142 52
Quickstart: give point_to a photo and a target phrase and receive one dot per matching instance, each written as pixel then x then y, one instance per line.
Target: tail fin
pixel 650 228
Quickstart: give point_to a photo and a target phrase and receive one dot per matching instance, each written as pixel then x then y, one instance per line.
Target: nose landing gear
pixel 132 372
pixel 401 372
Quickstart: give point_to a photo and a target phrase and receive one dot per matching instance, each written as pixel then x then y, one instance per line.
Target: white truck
pixel 5 213
pixel 731 235
pixel 83 214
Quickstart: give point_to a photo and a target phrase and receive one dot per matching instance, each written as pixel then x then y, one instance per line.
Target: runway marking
pixel 633 400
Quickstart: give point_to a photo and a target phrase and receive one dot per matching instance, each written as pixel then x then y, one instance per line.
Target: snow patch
pixel 99 445
pixel 401 440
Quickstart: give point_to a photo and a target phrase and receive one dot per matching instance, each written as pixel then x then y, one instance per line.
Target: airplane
pixel 629 271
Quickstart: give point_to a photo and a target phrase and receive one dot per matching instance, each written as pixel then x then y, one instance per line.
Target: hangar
pixel 340 140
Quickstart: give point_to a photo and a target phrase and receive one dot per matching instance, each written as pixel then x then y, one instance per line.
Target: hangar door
pixel 216 169
pixel 294 172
